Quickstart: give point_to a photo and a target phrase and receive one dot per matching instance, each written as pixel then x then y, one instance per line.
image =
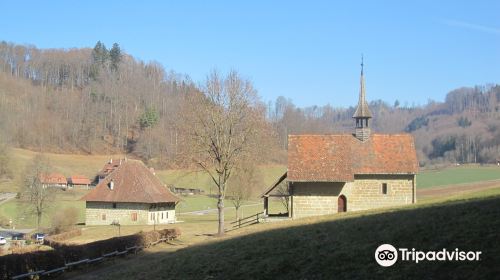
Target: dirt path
pixel 437 192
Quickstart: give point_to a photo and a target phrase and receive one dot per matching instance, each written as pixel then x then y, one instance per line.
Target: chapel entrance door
pixel 342 204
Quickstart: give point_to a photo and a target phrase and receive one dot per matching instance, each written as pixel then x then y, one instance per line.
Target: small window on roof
pixel 384 188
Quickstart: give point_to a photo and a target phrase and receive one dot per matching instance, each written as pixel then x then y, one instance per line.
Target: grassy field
pixel 18 211
pixel 67 164
pixel 457 175
pixel 200 180
pixel 336 246
pixel 70 164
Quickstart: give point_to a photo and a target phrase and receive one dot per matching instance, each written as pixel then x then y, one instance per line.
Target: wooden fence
pixel 67 266
pixel 247 221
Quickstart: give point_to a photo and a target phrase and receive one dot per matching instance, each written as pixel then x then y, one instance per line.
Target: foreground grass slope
pixel 338 247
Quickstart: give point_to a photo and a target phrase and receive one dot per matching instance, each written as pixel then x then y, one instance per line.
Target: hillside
pixel 105 101
pixel 338 246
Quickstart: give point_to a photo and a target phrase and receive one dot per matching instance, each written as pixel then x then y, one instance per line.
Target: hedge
pixel 63 236
pixel 16 264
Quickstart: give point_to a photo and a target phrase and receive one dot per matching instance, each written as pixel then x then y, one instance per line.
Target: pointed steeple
pixel 362 113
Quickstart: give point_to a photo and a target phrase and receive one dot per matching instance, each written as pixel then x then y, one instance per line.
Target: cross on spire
pixel 362 64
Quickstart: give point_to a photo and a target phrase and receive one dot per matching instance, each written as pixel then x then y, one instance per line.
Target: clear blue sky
pixel 308 51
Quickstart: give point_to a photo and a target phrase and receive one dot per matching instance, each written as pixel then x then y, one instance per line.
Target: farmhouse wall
pixel 103 213
pixel 321 198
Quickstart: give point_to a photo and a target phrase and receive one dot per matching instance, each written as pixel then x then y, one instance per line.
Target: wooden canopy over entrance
pixel 269 193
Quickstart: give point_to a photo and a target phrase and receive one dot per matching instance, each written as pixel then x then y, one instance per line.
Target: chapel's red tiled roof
pixel 132 182
pixel 79 180
pixel 53 178
pixel 339 157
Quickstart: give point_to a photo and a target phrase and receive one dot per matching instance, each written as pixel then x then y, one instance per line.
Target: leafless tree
pixel 5 171
pixel 284 193
pixel 39 197
pixel 223 124
pixel 243 184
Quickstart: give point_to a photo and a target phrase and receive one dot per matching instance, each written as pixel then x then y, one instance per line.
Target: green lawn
pixel 202 202
pixel 457 175
pixel 201 180
pixel 22 217
pixel 66 164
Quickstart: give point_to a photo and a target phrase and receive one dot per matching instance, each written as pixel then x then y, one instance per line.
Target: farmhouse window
pixel 103 217
pixel 162 215
pixel 167 214
pixel 134 217
pixel 384 188
pixel 114 205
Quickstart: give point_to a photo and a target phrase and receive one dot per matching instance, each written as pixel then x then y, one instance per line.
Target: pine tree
pixel 100 54
pixel 115 55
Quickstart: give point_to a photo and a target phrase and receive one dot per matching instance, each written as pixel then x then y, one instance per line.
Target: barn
pixel 55 180
pixel 334 173
pixel 130 195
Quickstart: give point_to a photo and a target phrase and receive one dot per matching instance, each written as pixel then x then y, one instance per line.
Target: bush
pixel 64 220
pixel 16 264
pixel 63 236
pixel 4 222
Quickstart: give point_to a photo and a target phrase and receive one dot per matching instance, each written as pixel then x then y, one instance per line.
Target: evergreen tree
pixel 149 118
pixel 100 53
pixel 115 54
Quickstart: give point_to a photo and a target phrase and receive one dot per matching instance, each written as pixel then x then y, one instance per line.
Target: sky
pixel 308 51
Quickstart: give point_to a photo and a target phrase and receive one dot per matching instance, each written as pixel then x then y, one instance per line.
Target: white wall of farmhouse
pixel 104 213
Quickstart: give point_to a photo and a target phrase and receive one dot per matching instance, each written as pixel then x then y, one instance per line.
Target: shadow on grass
pixel 338 248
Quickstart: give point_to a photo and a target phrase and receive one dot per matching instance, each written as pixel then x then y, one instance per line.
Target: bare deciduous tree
pixel 223 124
pixel 284 193
pixel 5 171
pixel 243 184
pixel 38 196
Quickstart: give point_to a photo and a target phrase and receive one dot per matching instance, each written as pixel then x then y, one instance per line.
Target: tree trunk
pixel 237 212
pixel 38 220
pixel 220 206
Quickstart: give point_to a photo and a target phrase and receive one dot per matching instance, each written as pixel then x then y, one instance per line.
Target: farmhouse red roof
pixel 53 178
pixel 111 165
pixel 339 157
pixel 79 180
pixel 132 182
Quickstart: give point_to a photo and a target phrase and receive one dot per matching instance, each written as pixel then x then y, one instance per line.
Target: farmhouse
pixel 55 180
pixel 328 174
pixel 130 195
pixel 79 181
pixel 111 165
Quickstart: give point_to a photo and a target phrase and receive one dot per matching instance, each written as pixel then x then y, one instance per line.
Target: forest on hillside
pixel 103 100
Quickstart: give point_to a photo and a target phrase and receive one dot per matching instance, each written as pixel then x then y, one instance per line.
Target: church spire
pixel 362 113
